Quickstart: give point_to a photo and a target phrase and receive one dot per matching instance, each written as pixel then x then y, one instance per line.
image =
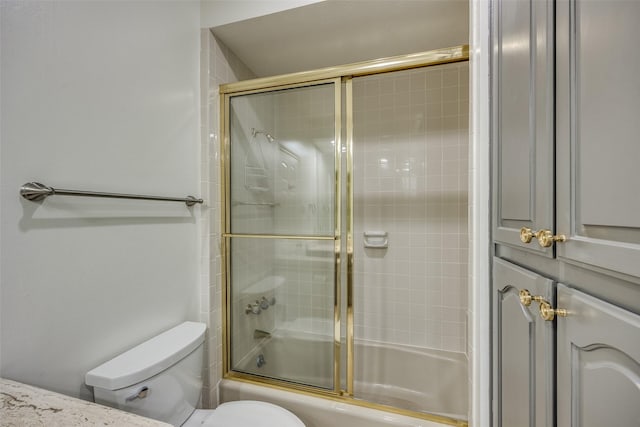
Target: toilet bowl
pixel 162 379
pixel 244 413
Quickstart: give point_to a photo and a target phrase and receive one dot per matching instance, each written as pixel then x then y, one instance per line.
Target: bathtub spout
pixel 259 334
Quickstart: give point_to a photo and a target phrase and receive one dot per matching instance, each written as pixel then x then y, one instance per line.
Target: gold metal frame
pixel 349 145
pixel 377 66
pixel 335 75
pixel 337 343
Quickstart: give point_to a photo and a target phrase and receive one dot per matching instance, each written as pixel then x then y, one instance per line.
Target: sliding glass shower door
pixel 345 239
pixel 281 232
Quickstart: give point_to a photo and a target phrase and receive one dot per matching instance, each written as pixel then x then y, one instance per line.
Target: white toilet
pixel 162 379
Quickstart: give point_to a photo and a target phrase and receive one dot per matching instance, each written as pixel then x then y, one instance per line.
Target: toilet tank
pixel 160 378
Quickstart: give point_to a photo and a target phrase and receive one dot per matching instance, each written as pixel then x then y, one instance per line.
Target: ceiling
pixel 336 32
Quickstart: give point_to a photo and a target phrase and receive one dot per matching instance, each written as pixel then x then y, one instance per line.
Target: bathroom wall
pixel 220 12
pixel 411 180
pixel 218 65
pixel 104 96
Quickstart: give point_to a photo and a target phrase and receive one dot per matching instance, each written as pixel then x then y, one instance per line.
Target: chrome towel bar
pixel 36 191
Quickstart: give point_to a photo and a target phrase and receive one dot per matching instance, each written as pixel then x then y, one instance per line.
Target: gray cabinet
pixel 584 174
pixel 598 363
pixel 522 84
pixel 598 134
pixel 566 158
pixel 523 343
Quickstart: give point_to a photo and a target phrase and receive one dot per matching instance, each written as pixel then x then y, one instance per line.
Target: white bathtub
pixel 421 380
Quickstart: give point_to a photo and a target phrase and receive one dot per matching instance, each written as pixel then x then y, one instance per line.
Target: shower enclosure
pixel 345 240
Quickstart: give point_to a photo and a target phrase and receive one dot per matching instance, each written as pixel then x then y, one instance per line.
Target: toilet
pixel 162 379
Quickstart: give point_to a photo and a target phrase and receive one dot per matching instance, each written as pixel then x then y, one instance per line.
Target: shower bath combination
pixel 368 148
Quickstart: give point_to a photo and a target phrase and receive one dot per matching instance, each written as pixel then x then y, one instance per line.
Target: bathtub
pixel 404 377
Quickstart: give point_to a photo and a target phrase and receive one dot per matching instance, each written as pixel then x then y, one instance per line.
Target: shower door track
pixel 338 74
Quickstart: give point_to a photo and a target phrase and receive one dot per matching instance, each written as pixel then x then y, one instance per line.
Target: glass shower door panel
pixel 410 161
pixel 283 161
pixel 282 309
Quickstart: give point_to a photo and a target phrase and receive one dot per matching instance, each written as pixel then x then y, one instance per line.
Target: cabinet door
pixel 598 363
pixel 522 81
pixel 523 350
pixel 598 124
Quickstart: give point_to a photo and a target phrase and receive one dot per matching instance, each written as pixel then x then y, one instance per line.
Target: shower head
pixel 255 132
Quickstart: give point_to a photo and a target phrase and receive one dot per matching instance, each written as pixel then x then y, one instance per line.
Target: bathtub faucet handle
pixel 264 303
pixel 253 308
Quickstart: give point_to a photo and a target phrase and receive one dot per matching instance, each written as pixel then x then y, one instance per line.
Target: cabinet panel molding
pixel 598 360
pixel 523 349
pixel 522 80
pixel 597 106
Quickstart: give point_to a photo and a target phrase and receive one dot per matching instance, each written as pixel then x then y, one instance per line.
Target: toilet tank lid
pixel 149 358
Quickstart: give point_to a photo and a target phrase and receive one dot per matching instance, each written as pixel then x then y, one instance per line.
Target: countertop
pixel 25 406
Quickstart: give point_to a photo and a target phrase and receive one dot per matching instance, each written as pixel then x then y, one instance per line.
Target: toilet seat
pixel 245 413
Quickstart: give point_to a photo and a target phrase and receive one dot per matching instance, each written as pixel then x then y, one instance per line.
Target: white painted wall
pixel 220 12
pixel 98 95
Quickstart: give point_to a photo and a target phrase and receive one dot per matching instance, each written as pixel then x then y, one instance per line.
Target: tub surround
pixel 24 405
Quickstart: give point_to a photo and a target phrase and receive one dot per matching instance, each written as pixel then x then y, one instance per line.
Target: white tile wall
pixel 411 180
pixel 218 65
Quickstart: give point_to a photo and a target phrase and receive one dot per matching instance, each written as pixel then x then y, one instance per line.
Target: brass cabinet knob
pixel 546 238
pixel 549 313
pixel 526 234
pixel 546 311
pixel 526 298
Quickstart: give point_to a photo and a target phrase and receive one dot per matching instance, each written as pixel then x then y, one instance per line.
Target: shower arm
pixel 254 133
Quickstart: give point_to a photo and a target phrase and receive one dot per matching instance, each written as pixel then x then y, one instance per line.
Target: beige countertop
pixel 25 406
